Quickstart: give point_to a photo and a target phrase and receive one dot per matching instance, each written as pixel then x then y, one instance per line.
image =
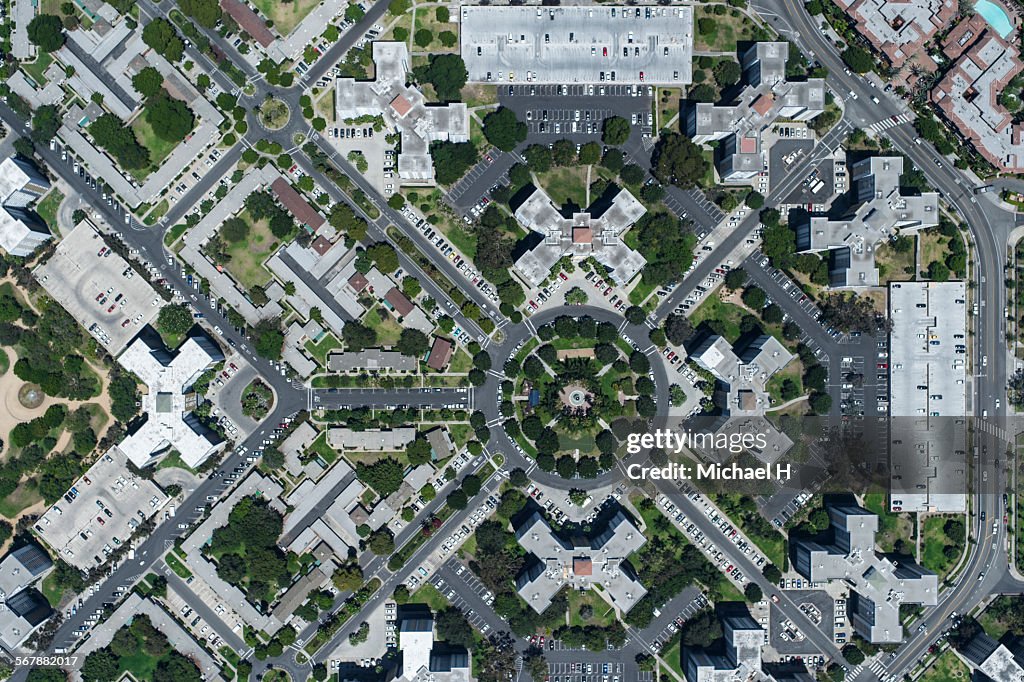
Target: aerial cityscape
pixel 526 341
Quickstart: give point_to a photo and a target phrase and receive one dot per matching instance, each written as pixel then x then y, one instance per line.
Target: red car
pixel 111 308
pixel 100 519
pixel 641 76
pixel 604 51
pixel 883 365
pixel 563 276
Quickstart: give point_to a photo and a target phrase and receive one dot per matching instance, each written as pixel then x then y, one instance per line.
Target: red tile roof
pixel 358 281
pixel 440 354
pixel 582 566
pixel 748 145
pixel 763 104
pixel 582 235
pixel 401 105
pixel 250 22
pixel 321 245
pixel 296 205
pixel 402 305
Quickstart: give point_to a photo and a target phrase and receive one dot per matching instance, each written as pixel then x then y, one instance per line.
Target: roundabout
pixel 577 397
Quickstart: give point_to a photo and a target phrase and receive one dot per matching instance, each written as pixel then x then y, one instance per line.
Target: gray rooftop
pixel 578 44
pixel 927 381
pixel 582 236
pixel 371 360
pixel 878 584
pixel 404 108
pixel 580 561
pixel 878 211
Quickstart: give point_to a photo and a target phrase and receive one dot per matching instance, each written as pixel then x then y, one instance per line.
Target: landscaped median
pixel 337 619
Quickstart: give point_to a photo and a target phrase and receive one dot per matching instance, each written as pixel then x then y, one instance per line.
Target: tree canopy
pixel 161 35
pixel 503 129
pixel 46 32
pixel 615 131
pixel 446 72
pixel 148 82
pixel 678 161
pixel 170 118
pixel 174 319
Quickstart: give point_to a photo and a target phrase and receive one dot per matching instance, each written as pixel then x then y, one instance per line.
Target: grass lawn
pixel 461 362
pixel 47 208
pixel 603 616
pixel 157 213
pixel 174 233
pixel 321 448
pixel 933 542
pixel 728 314
pixel 51 591
pixel 175 564
pixel 324 106
pixel 946 668
pixel 673 656
pixel 429 202
pixel 730 28
pixel 36 69
pixel 479 95
pixel 285 15
pixel 584 442
pixel 140 664
pixel 158 147
pixel 891 526
pixel 893 266
pixel 426 17
pixel 566 184
pixel 23 497
pixel 321 349
pixel 794 370
pixel 641 291
pixel 428 594
pixel 668 105
pixel 933 247
pixel 387 328
pixel 249 254
pixel 174 461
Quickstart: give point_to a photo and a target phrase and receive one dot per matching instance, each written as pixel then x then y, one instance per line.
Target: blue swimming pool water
pixel 995 16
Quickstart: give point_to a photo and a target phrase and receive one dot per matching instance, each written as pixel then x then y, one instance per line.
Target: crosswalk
pixel 876 668
pixel 890 122
pixel 991 429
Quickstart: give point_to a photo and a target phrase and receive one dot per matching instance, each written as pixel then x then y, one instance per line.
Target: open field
pixel 285 15
pixel 248 255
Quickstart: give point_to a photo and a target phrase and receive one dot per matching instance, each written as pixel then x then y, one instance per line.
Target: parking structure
pixel 578 44
pixel 99 512
pixel 100 289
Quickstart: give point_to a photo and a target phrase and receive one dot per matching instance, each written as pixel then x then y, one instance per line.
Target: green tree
pixel 858 59
pixel 423 37
pixel 234 229
pixel 727 73
pixel 174 319
pixel 148 82
pixel 590 153
pixel 382 542
pixel 100 666
pixel 678 161
pixel 268 339
pixel 753 592
pixel 161 35
pixel 615 131
pixel 206 12
pixel 45 123
pixel 418 451
pixel 413 343
pixel 46 32
pixel 453 628
pixel 503 129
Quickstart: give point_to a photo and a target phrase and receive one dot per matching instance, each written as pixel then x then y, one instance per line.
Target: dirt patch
pixel 576 353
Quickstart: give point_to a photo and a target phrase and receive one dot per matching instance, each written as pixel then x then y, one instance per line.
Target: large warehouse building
pixel 563 45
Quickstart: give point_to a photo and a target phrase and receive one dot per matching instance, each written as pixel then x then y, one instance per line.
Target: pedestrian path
pixel 890 122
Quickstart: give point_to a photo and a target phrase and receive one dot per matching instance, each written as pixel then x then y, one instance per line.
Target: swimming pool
pixel 995 16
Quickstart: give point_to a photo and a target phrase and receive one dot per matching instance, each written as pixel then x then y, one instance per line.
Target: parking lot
pixel 99 512
pixel 578 44
pixel 785 637
pixel 464 591
pixel 577 113
pixel 99 288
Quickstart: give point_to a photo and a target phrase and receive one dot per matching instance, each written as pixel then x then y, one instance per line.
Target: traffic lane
pixel 696 516
pixel 336 398
pixel 377 234
pixel 740 233
pixel 397 219
pixel 391 581
pixel 201 609
pixel 197 192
